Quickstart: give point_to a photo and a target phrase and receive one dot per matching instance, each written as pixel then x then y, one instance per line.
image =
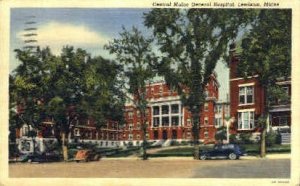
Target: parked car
pixel 40 157
pixel 231 151
pixel 87 155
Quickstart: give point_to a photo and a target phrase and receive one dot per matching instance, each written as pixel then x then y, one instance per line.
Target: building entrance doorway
pixel 165 135
pixel 174 134
pixel 155 134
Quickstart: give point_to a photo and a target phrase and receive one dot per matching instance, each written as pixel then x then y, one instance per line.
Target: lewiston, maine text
pixel 213 4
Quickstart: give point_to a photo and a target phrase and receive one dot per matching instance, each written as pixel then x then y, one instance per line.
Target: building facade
pixel 167 119
pixel 222 113
pixel 247 102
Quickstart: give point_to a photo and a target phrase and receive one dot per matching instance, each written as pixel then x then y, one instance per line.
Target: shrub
pixel 130 144
pixel 233 138
pixel 184 143
pixel 221 134
pixel 272 138
pixel 174 143
pixel 245 138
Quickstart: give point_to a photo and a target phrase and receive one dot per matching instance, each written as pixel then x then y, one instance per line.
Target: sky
pixel 86 28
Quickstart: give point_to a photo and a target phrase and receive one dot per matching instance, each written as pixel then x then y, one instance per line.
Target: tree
pixel 84 87
pixel 191 42
pixel 133 51
pixel 266 52
pixel 64 88
pixel 221 134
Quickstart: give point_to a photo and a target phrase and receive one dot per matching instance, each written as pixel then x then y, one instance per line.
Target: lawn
pixel 251 149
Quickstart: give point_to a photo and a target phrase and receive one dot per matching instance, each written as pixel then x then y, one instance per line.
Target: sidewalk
pixel 269 156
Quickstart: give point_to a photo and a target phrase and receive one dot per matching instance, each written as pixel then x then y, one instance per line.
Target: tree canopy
pixel 191 42
pixel 133 51
pixel 65 88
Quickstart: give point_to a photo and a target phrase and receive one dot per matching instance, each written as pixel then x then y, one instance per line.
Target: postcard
pixel 149 93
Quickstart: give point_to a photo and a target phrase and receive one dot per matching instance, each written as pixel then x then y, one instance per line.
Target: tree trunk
pixel 265 125
pixel 144 150
pixel 196 135
pixel 33 143
pixel 263 143
pixel 64 146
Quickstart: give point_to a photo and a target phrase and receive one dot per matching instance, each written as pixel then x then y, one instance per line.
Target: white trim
pixel 249 77
pixel 152 101
pixel 245 104
pixel 246 110
pixel 283 83
pixel 155 84
pixel 246 84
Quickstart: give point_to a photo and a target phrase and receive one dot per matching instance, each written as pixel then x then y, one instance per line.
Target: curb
pixel 270 156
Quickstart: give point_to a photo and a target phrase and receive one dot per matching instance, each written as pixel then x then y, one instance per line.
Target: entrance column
pixel 170 118
pixel 160 118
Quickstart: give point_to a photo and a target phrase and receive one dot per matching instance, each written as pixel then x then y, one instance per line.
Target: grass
pixel 254 149
pixel 184 151
pixel 250 149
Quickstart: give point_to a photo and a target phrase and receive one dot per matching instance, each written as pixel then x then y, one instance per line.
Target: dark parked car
pixel 40 157
pixel 231 151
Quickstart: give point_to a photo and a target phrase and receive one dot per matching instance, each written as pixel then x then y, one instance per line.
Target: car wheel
pixel 232 156
pixel 203 157
pixel 77 161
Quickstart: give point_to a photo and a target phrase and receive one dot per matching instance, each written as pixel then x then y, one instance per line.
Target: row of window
pixel 166 109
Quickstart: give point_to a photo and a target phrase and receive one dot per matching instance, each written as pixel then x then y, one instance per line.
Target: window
pixel 130 137
pixel 165 121
pixel 156 122
pixel 156 110
pixel 138 113
pixel 130 127
pixel 205 120
pixel 283 121
pixel 246 120
pixel 160 89
pixel 76 132
pixel 218 122
pixel 205 133
pixel 218 109
pixel 174 109
pixel 130 115
pixel 175 120
pixel 167 115
pixel 206 106
pixel 112 136
pixel 246 95
pixel 188 121
pixel 227 111
pixel 138 126
pixel 165 109
pixel 138 137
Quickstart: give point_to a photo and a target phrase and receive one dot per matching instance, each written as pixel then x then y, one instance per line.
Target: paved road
pixel 157 168
pixel 260 168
